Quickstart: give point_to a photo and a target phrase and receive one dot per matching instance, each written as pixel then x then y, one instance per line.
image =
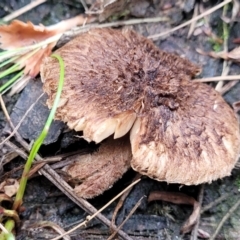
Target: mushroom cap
pixel 196 142
pixel 107 73
pixel 181 131
pixel 110 162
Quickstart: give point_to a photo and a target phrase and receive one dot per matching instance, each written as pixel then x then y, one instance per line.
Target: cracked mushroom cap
pixel 116 81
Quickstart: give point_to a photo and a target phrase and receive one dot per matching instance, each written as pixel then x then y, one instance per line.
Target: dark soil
pixel 158 220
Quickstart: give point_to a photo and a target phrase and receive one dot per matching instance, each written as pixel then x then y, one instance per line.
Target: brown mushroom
pixel 93 174
pixel 116 81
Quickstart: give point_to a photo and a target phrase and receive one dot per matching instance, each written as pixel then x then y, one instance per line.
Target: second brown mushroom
pixel 117 81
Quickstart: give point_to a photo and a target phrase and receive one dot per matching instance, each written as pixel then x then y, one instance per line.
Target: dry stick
pixel 63 186
pixel 3 106
pixel 128 216
pixel 16 149
pixel 211 10
pixel 226 64
pixel 193 24
pixel 23 10
pixel 75 31
pixel 54 226
pixel 88 218
pixel 225 71
pixel 194 235
pixel 17 135
pixel 225 218
pixel 214 203
pixel 60 163
pixel 122 199
pixel 3 228
pixel 218 78
pixel 227 87
pixel 20 122
pixel 84 5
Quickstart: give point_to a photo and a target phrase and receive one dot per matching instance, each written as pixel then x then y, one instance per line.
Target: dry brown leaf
pixel 32 65
pixel 36 168
pixel 19 34
pixel 179 198
pixel 9 187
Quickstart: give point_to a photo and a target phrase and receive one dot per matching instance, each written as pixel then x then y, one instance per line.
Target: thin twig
pixel 16 149
pixel 193 24
pixel 3 228
pixel 84 5
pixel 75 31
pixel 128 216
pixel 22 10
pixel 226 64
pixel 225 218
pixel 211 10
pixel 218 78
pixel 227 87
pixel 20 122
pixel 3 106
pixel 52 225
pixel 122 199
pixel 60 164
pixel 214 203
pixel 17 135
pixel 194 235
pixel 88 218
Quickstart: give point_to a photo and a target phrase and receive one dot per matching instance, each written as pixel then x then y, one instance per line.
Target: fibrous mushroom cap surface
pixel 197 142
pixel 108 74
pixel 95 173
pixel 182 132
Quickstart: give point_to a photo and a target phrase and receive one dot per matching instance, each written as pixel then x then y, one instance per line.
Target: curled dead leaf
pixel 19 34
pixel 9 187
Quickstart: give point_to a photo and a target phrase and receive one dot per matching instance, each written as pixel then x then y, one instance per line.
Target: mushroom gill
pixel 116 80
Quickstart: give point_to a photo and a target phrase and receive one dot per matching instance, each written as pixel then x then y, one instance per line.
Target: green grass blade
pixel 18 200
pixel 10 82
pixel 10 70
pixel 11 60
